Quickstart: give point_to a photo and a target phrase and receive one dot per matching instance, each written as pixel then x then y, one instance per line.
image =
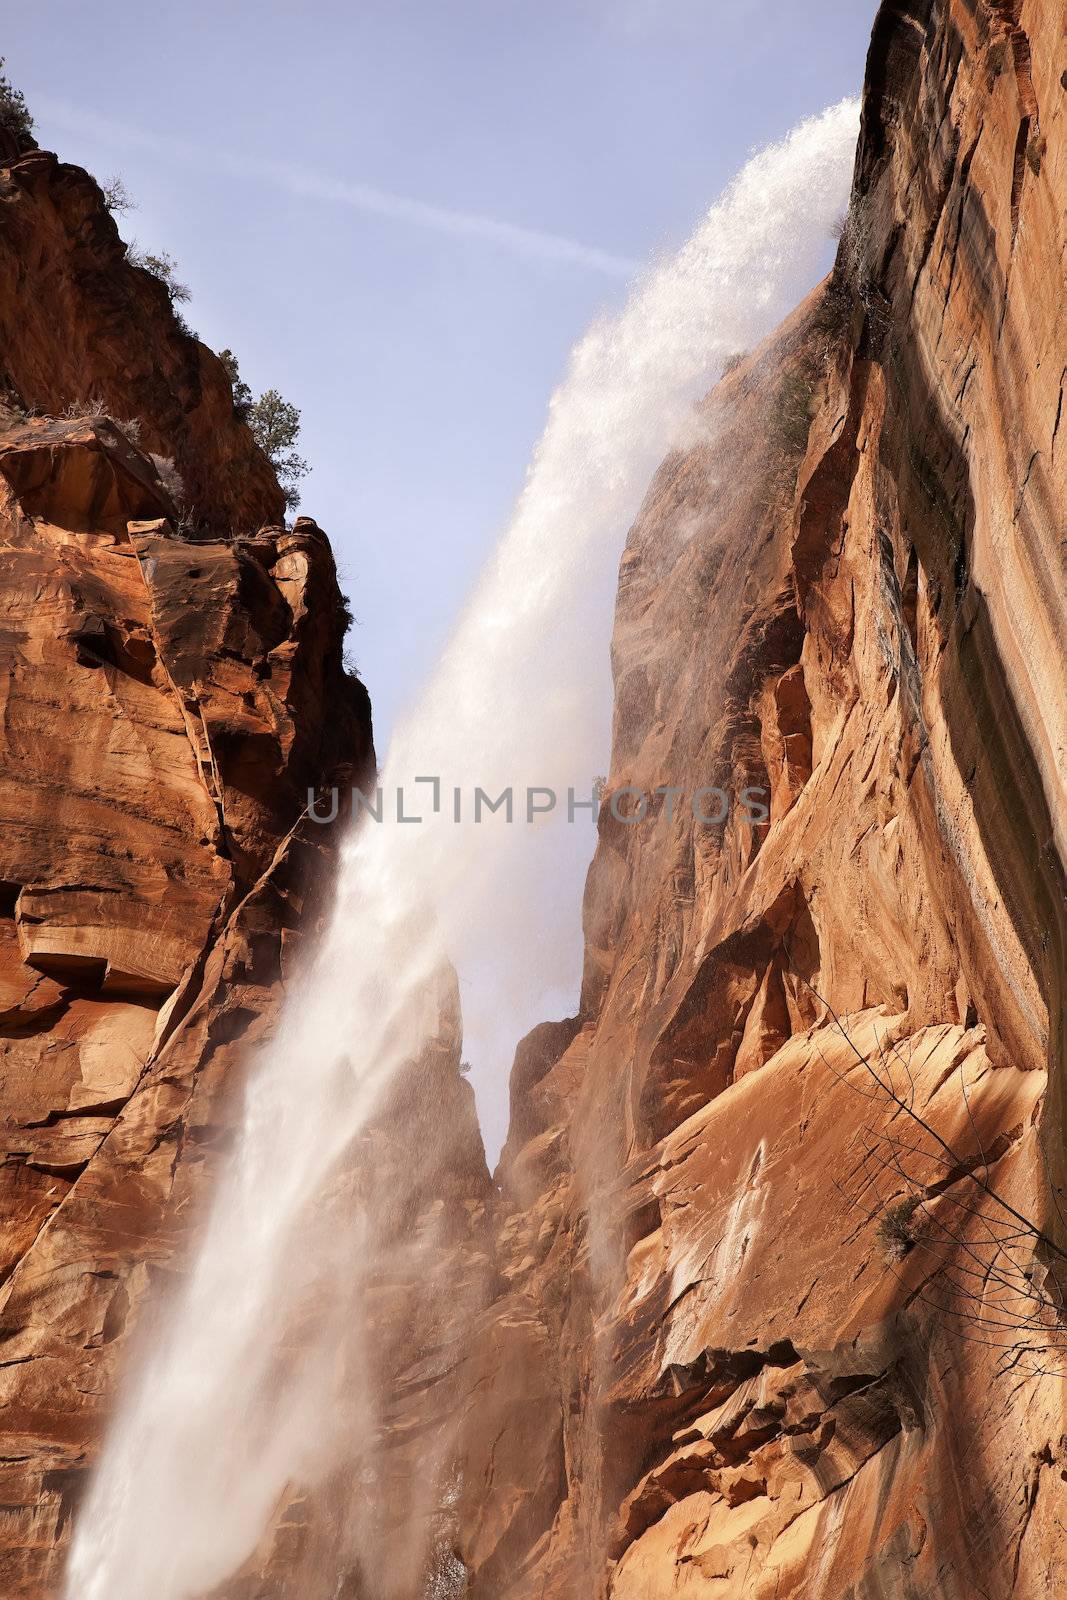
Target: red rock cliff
pixel 167 698
pixel 81 325
pixel 781 1218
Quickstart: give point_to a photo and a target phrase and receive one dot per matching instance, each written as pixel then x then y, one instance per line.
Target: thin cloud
pixel 640 17
pixel 533 243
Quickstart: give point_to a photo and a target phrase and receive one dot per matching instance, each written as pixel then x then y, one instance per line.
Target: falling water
pixel 206 1440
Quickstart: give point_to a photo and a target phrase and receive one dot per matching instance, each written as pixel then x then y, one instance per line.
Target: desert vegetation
pixel 275 424
pixel 14 112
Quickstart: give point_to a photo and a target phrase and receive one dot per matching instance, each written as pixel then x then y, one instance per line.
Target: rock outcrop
pixel 84 327
pixel 171 685
pixel 781 1215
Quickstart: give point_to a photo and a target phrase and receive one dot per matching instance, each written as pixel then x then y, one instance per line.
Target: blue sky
pixel 403 214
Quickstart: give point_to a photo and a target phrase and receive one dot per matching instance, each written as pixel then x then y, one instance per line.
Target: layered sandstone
pixel 172 683
pixel 781 1211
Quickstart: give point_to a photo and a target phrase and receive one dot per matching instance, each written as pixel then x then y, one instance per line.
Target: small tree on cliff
pixel 14 112
pixel 275 425
pixel 242 394
pixel 117 197
pixel 162 266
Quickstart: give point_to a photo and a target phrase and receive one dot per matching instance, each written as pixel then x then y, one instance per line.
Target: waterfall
pixel 206 1439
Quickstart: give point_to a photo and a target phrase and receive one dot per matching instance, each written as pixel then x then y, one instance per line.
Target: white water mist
pixel 206 1441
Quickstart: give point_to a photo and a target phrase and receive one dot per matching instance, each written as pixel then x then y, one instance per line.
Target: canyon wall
pixel 171 684
pixel 765 1299
pixel 781 1214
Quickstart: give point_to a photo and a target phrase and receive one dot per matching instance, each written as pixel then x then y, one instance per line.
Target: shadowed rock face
pixel 777 1320
pixel 79 323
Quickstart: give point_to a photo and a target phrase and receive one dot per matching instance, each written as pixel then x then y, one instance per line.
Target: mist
pixel 206 1438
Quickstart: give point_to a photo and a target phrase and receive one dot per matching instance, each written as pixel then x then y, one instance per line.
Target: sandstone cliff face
pixel 167 698
pixel 781 1213
pixel 79 323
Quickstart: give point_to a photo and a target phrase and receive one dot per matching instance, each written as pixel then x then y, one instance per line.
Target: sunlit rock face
pixel 169 689
pixel 779 1316
pixel 763 1299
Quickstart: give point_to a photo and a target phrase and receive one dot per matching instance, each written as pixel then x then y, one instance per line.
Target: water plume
pixel 207 1438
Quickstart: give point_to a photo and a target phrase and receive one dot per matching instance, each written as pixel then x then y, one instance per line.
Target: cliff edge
pixel 171 683
pixel 782 1208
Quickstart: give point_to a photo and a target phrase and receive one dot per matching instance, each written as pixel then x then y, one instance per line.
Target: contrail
pixel 533 243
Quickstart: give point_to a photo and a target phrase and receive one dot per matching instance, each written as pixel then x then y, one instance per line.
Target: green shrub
pixel 275 425
pixel 242 394
pixel 162 266
pixel 14 112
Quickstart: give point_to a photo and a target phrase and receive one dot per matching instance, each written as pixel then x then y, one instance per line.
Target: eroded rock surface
pixel 169 690
pixel 80 325
pixel 781 1211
